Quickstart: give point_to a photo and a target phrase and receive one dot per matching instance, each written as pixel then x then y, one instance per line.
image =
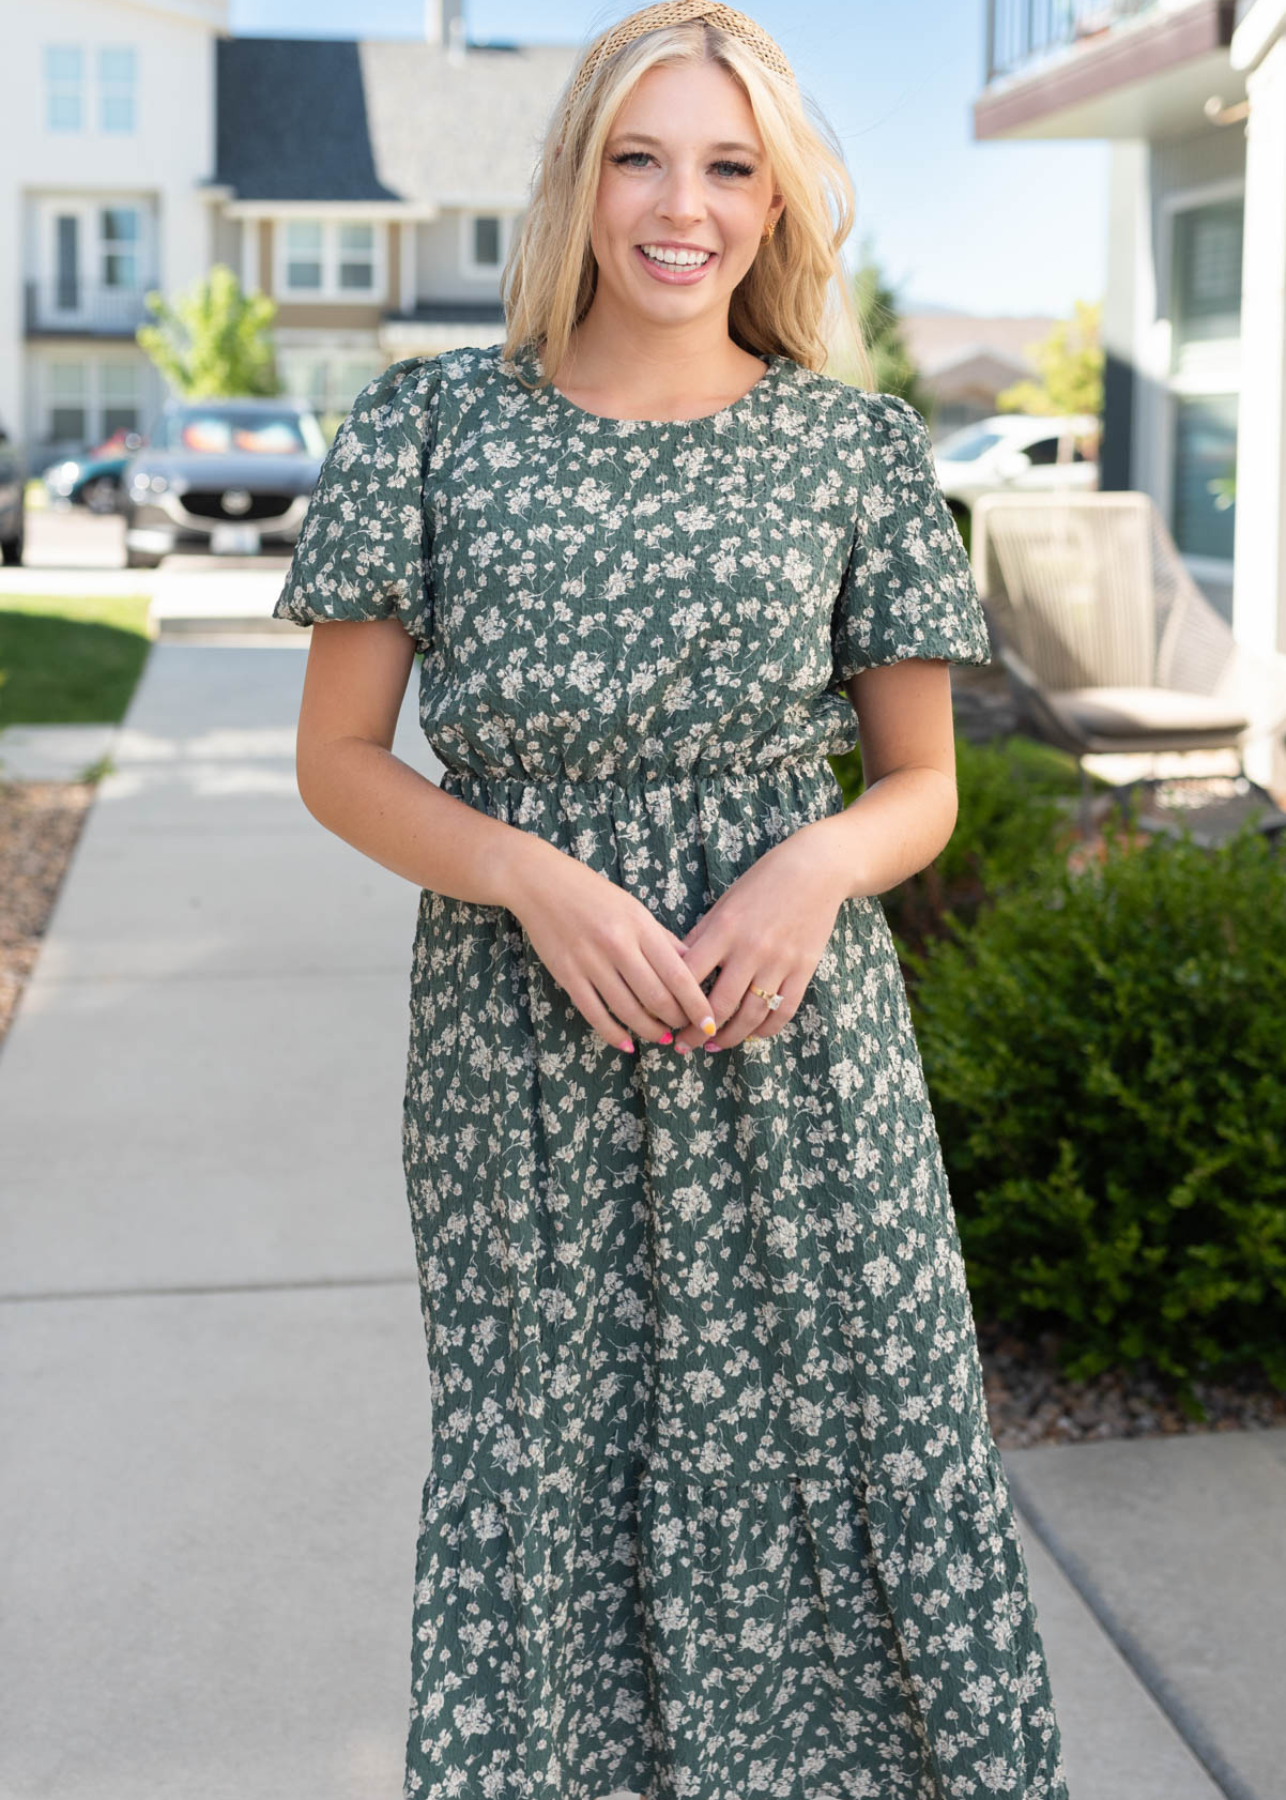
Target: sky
pixel 955 224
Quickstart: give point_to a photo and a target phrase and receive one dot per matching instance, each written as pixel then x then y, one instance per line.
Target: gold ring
pixel 774 1000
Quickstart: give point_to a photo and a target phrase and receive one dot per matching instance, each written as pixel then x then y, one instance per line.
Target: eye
pixel 735 170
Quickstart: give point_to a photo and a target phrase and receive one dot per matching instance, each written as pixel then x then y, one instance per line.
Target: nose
pixel 681 199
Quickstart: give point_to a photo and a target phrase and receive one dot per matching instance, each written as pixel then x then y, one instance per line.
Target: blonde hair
pixel 794 300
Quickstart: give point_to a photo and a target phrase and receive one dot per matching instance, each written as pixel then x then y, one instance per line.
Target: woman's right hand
pixel 620 967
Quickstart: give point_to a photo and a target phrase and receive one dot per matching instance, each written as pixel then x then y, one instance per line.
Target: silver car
pixel 229 477
pixel 12 509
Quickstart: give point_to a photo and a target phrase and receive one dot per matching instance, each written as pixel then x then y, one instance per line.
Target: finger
pixel 585 998
pixel 641 973
pixel 747 1019
pixel 684 987
pixel 697 1019
pixel 791 988
pixel 619 995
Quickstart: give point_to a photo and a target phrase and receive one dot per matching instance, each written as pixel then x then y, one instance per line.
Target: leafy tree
pixel 876 304
pixel 215 341
pixel 1070 361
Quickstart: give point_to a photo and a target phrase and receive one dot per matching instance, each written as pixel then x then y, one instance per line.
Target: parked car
pixel 93 477
pixel 1016 452
pixel 12 503
pixel 230 477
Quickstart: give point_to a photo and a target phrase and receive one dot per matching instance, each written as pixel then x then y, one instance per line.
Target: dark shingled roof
pixel 390 120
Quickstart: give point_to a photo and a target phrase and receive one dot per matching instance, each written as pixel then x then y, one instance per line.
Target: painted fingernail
pixel 682 1049
pixel 711 1046
pixel 625 1044
pixel 667 1037
pixel 708 1026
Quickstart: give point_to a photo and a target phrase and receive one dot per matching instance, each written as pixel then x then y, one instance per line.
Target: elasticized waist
pixel 762 767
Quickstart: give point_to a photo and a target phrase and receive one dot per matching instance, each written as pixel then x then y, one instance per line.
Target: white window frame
pixel 1215 378
pixel 477 271
pixel 330 293
pixel 297 364
pixel 94 396
pixel 93 247
pixel 64 86
pixel 117 88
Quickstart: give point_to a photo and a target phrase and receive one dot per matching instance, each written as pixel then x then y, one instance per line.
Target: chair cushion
pixel 1140 711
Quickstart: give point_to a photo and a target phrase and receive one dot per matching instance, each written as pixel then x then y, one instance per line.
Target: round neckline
pixel 770 358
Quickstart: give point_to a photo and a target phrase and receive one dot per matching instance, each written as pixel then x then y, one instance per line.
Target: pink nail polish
pixel 682 1049
pixel 667 1037
pixel 709 1046
pixel 625 1044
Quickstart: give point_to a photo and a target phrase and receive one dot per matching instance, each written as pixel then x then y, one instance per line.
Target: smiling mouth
pixel 676 259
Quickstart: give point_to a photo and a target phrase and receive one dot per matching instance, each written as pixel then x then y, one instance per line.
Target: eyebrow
pixel 639 137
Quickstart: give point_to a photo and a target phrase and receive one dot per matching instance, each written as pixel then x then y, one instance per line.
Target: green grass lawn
pixel 70 659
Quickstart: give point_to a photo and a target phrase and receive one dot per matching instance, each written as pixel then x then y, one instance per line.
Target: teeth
pixel 683 259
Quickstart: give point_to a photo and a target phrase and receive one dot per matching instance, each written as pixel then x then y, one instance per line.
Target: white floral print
pixel 714 1511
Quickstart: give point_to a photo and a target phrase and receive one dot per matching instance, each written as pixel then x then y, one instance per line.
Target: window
pixel 1205 453
pixel 1204 377
pixel 357 258
pixel 330 259
pixel 64 79
pixel 86 401
pixel 115 88
pixel 67 262
pixel 118 228
pixel 118 391
pixel 303 254
pixel 329 380
pixel 484 243
pixel 67 401
pixel 1046 451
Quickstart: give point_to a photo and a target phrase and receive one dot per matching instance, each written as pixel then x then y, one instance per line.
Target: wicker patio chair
pixel 1108 641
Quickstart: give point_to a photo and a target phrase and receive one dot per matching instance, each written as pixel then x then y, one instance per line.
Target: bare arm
pixel 906 811
pixel 772 925
pixel 351 782
pixel 599 942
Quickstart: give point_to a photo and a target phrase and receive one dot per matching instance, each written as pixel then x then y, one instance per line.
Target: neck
pixel 614 351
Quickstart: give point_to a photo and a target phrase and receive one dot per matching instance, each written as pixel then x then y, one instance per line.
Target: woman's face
pixel 683 171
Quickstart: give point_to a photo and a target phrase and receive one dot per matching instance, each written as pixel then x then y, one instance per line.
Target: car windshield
pixel 967 445
pixel 225 431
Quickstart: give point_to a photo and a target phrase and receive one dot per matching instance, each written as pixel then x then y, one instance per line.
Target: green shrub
pixel 1104 1053
pixel 1017 809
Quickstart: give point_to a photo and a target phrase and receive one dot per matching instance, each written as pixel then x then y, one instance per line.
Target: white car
pixel 1017 452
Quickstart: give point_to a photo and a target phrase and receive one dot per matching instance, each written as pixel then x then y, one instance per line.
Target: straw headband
pixel 680 12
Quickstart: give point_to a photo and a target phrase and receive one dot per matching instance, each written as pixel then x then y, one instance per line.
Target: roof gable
pixel 306 119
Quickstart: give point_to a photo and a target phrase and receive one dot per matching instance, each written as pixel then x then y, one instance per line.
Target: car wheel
pixel 101 495
pixel 11 549
pixel 141 559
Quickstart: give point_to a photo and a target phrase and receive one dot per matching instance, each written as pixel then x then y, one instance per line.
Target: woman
pixel 714 1508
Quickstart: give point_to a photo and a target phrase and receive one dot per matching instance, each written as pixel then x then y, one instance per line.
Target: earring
pixel 768 231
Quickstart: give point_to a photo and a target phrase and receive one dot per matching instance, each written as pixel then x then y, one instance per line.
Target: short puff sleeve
pixel 361 550
pixel 908 588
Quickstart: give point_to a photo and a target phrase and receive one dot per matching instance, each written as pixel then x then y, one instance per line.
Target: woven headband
pixel 680 12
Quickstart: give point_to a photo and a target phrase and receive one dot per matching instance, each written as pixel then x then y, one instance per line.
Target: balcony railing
pixel 1020 32
pixel 80 307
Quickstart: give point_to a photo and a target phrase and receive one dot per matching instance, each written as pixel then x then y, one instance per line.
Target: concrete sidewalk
pixel 216 1407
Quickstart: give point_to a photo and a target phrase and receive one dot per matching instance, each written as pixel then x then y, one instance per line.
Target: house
pixel 1191 95
pixel 371 188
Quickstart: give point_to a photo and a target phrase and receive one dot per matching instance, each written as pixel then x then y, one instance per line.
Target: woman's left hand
pixel 770 928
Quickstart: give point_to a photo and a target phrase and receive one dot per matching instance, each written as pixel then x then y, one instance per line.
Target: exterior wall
pixel 439 271
pixel 1127 278
pixel 1182 173
pixel 162 161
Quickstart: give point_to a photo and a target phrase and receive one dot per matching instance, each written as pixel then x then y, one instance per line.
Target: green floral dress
pixel 714 1510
